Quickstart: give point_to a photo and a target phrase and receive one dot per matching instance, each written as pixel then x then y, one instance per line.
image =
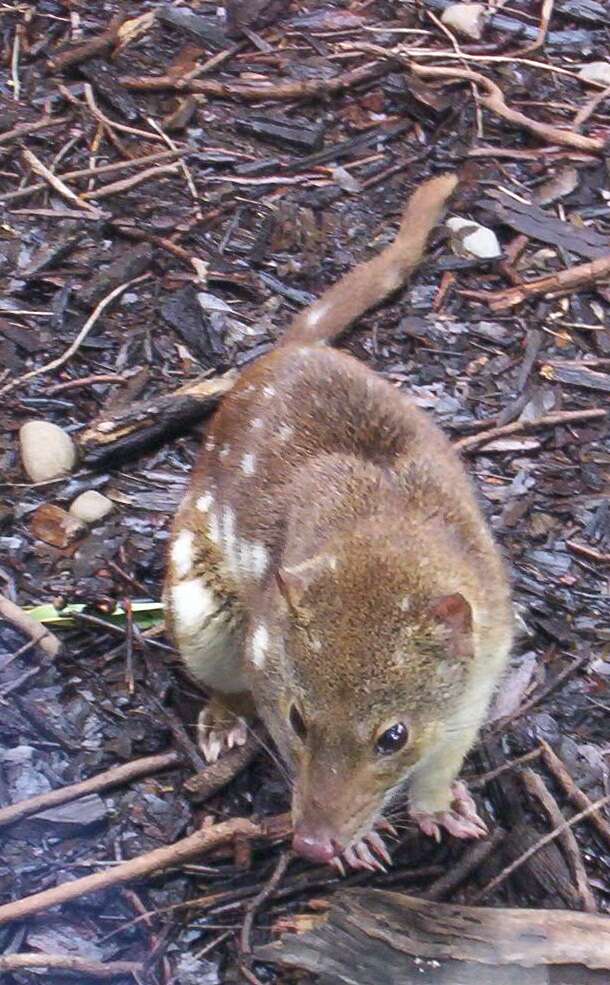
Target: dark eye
pixel 296 721
pixel 392 739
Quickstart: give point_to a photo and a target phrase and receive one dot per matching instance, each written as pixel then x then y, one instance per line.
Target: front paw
pixel 218 730
pixel 461 819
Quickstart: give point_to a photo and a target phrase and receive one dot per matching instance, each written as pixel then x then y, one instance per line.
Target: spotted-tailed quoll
pixel 331 572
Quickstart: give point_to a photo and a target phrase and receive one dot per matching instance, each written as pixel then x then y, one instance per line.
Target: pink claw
pixel 377 844
pixel 461 820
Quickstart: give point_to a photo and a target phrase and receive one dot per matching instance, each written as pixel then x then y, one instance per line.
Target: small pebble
pixel 47 452
pixel 468 19
pixel 596 72
pixel 91 506
pixel 472 239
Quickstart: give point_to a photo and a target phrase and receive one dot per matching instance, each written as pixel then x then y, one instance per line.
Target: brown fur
pixel 383 598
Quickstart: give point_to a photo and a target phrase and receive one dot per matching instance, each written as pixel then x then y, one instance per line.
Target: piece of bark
pixel 388 938
pixel 587 11
pixel 131 263
pixel 184 313
pixel 204 29
pixel 106 81
pixel 55 526
pixel 252 14
pixel 214 777
pixel 576 376
pixel 296 133
pixel 141 425
pixel 535 223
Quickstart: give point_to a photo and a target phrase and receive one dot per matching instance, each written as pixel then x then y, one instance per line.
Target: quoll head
pixel 357 662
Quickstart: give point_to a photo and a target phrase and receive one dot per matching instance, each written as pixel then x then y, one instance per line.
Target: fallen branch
pixel 144 423
pixel 536 787
pixel 40 635
pixel 574 793
pixel 253 93
pixel 259 901
pixel 562 282
pixel 100 45
pixel 200 842
pixel 68 962
pixel 80 338
pixel 103 781
pixel 371 935
pixel 565 417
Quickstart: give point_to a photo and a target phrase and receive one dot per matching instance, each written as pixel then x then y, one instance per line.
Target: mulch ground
pixel 231 168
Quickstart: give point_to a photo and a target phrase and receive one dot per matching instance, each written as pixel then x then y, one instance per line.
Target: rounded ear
pixel 454 612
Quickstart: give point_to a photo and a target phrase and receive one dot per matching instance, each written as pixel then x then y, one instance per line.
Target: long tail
pixel 369 283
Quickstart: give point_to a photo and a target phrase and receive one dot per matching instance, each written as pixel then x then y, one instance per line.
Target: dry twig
pixel 566 417
pixel 75 345
pixel 55 182
pixel 250 92
pixel 68 962
pixel 259 901
pixel 562 282
pixel 518 862
pixel 575 794
pixel 100 45
pixel 536 787
pixel 103 781
pixel 182 851
pixel 40 635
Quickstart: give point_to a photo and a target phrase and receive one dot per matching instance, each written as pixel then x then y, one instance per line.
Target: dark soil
pixel 277 222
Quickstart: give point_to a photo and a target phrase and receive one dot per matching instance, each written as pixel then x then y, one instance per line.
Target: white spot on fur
pixel 224 451
pixel 248 464
pixel 210 444
pixel 333 563
pixel 214 529
pixel 260 643
pixel 253 558
pixel 256 424
pixel 182 553
pixel 193 604
pixel 285 432
pixel 204 502
pixel 316 644
pixel 269 392
pixel 405 603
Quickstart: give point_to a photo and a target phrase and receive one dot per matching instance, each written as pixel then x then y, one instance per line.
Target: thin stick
pixel 551 836
pixel 69 962
pixel 562 282
pixel 162 155
pixel 545 19
pixel 40 635
pixel 135 179
pixel 80 338
pixel 15 64
pixel 103 781
pixel 259 901
pixel 579 799
pixel 112 124
pixel 485 778
pixel 278 91
pixel 474 441
pixel 203 840
pixel 472 858
pixel 589 107
pixel 55 182
pixel 183 165
pixel 25 129
pixel 536 787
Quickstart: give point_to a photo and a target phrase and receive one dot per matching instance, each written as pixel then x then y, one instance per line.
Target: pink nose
pixel 317 846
